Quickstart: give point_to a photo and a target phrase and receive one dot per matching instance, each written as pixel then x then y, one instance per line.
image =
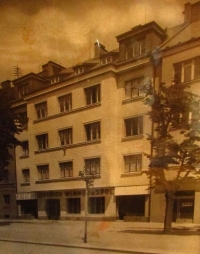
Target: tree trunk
pixel 168 211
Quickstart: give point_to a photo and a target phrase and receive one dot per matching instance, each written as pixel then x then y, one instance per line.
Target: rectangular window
pixel 42 141
pixel 5 176
pixel 73 205
pixel 65 136
pixel 187 71
pixel 92 94
pixel 133 88
pixel 65 102
pixel 96 205
pixel 41 109
pixel 133 126
pixel 23 118
pixel 92 166
pixel 25 148
pixel 66 169
pixel 197 68
pixel 92 131
pixel 23 90
pixel 134 48
pixel 26 175
pixel 133 163
pixel 43 172
pixel 6 198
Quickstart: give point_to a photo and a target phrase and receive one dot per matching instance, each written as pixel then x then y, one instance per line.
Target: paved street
pixel 127 237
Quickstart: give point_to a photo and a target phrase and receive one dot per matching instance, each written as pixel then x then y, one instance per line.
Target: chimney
pixel 99 49
pixel 192 12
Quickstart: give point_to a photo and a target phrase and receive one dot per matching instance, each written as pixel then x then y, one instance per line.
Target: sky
pixel 33 32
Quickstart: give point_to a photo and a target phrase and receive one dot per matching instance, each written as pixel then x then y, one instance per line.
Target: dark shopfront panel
pixel 29 208
pixel 131 206
pixel 183 208
pixel 53 209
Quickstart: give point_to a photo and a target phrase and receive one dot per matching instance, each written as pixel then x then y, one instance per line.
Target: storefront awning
pixel 132 190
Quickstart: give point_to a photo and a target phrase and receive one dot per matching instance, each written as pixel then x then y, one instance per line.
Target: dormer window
pixel 55 80
pixel 106 60
pixel 23 90
pixel 134 48
pixel 79 70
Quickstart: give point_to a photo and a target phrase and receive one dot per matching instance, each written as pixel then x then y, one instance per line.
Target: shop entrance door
pixel 53 209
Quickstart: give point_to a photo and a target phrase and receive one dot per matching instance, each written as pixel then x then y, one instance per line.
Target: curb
pixel 80 246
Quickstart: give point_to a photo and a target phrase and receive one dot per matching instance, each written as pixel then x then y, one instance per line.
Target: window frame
pixel 26 175
pixel 25 149
pixel 41 109
pixel 136 167
pixel 65 102
pixel 44 174
pixel 130 129
pixel 92 131
pixel 134 90
pixel 44 141
pixel 67 138
pixel 92 94
pixel 93 166
pixel 68 170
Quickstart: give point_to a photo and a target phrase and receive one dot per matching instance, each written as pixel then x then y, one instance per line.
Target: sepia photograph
pixel 100 126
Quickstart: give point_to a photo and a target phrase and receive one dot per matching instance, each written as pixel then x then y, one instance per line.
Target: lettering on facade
pixel 49 194
pixel 91 192
pixel 26 196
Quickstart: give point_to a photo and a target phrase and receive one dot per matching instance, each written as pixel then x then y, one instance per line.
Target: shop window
pixel 133 88
pixel 65 136
pixel 92 166
pixel 25 148
pixel 96 205
pixel 41 109
pixel 6 198
pixel 73 205
pixel 65 102
pixel 133 163
pixel 26 175
pixel 133 126
pixel 92 94
pixel 42 141
pixel 66 169
pixel 43 172
pixel 92 131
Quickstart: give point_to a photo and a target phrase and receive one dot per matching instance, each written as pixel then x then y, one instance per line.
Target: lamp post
pixel 89 179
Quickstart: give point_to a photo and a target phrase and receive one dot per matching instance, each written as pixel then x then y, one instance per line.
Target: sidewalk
pixel 123 236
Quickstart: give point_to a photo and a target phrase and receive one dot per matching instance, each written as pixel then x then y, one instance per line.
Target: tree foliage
pixel 175 141
pixel 9 126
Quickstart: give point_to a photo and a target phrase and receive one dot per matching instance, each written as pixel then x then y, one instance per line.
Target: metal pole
pixel 86 210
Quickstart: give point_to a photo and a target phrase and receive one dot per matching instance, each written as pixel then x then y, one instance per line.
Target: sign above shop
pixel 26 196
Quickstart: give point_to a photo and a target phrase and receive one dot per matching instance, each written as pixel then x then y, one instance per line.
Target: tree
pixel 9 126
pixel 175 140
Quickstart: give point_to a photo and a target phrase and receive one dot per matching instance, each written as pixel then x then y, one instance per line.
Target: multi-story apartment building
pixel 92 117
pixel 88 116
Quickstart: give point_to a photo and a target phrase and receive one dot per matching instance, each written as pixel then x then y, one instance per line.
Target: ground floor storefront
pixel 102 204
pixel 120 203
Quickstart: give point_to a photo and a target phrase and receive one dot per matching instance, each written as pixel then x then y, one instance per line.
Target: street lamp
pixel 89 179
